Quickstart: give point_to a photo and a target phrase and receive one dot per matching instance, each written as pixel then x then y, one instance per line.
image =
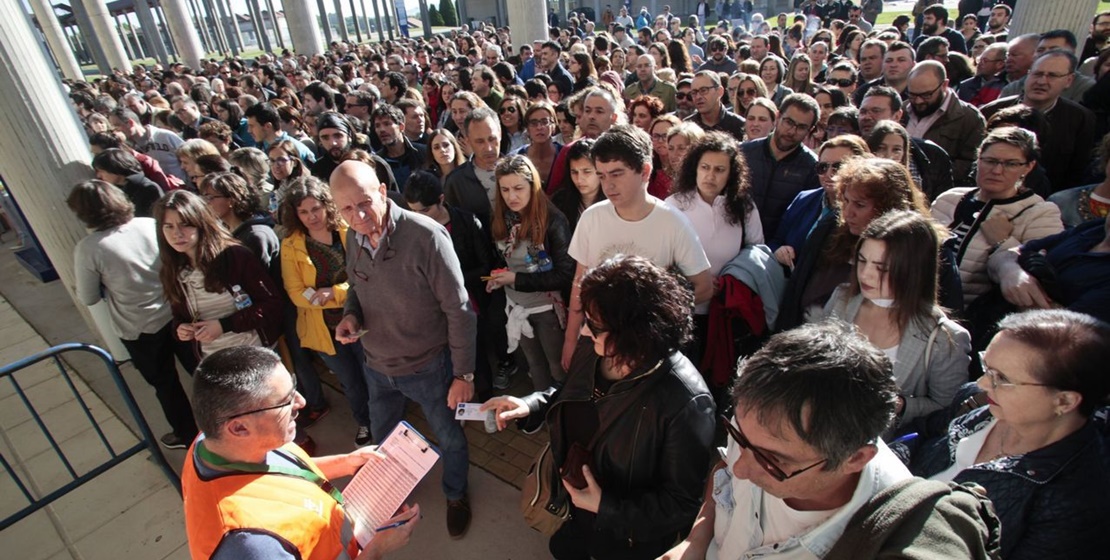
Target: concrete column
pixel 109 40
pixel 134 29
pixel 1037 17
pixel 222 43
pixel 184 33
pixel 274 21
pixel 260 25
pixel 152 34
pixel 341 21
pixel 528 23
pixel 196 17
pixel 44 150
pixel 231 28
pixel 56 39
pixel 87 37
pixel 123 38
pixel 426 22
pixel 354 20
pixel 378 21
pixel 389 19
pixel 303 21
pixel 323 21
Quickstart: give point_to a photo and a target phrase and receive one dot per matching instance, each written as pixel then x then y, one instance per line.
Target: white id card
pixel 471 411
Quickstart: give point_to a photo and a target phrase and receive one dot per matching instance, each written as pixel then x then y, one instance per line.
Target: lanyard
pixel 302 471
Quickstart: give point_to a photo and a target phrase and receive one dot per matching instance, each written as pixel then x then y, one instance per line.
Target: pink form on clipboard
pixel 380 487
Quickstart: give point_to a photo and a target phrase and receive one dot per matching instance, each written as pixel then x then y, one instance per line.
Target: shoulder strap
pixel 929 345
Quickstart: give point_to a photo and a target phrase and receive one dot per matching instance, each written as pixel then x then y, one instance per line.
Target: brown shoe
pixel 458 517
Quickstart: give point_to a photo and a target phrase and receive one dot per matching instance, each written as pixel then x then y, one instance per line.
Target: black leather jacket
pixel 1053 502
pixel 653 459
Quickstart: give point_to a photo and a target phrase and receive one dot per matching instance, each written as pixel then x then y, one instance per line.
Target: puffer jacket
pixel 1053 502
pixel 652 460
pixel 1032 217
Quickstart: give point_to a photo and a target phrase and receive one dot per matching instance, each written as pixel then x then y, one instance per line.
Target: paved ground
pixel 133 511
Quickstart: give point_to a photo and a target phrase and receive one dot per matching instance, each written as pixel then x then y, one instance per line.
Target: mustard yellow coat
pixel 298 273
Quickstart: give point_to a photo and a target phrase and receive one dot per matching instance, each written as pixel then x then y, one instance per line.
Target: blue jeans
pixel 308 382
pixel 428 387
pixel 346 364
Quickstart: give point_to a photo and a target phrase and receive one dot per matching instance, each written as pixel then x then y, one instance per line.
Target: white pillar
pixel 526 22
pixel 304 26
pixel 152 35
pixel 189 48
pixel 56 39
pixel 1038 17
pixel 43 150
pixel 106 34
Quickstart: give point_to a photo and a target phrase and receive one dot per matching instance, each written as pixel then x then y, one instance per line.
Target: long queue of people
pixel 895 249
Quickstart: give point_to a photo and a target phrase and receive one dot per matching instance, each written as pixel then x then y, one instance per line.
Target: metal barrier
pixel 147 440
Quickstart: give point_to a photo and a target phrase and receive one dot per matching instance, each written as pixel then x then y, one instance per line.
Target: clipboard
pixel 380 487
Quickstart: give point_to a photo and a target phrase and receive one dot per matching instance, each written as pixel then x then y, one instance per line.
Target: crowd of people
pixel 900 233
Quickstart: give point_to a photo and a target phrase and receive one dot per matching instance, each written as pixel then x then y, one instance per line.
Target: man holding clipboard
pixel 249 491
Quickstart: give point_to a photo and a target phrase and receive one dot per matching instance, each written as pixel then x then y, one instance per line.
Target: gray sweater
pixel 410 297
pixel 121 265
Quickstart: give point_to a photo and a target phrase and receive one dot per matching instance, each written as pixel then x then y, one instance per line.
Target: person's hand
pixel 785 255
pixel 996 228
pixel 322 296
pixel 1023 290
pixel 361 456
pixel 185 332
pixel 460 392
pixel 507 408
pixel 682 551
pixel 499 280
pixel 346 331
pixel 588 498
pixel 393 539
pixel 207 331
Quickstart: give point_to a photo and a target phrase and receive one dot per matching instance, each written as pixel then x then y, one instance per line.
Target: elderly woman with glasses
pixel 542 149
pixel 1037 442
pixel 635 487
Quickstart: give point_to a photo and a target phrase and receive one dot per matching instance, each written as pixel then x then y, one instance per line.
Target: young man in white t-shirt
pixel 631 222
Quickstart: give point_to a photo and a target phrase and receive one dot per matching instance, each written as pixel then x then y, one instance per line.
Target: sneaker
pixel 505 370
pixel 458 517
pixel 362 437
pixel 173 441
pixel 309 417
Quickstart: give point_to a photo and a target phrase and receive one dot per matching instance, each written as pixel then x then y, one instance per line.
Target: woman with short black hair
pixel 123 170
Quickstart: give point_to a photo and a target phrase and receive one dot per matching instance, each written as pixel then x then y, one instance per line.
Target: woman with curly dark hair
pixel 632 428
pixel 643 110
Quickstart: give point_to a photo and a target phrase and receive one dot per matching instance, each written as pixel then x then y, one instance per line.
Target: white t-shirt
pixel 162 145
pixel 664 236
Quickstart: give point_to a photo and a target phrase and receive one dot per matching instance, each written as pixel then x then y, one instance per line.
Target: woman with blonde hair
pixel 190 151
pixel 532 238
pixel 799 77
pixel 748 89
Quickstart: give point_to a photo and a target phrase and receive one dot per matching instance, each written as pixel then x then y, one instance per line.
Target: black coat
pixel 142 192
pixel 653 460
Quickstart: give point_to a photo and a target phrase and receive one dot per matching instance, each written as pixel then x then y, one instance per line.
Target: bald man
pixel 408 306
pixel 937 114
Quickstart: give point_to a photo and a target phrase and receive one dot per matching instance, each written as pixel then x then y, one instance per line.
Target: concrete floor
pixel 132 511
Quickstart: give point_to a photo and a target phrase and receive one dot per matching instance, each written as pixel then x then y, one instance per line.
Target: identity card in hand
pixel 471 411
pixel 380 487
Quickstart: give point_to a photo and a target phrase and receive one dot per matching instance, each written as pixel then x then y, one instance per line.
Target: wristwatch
pixel 467 377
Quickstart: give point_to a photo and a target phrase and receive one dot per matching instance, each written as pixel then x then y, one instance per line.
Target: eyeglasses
pixel 1050 76
pixel 716 48
pixel 999 379
pixel 793 124
pixel 540 122
pixel 509 109
pixel 763 460
pixel 280 160
pixel 924 95
pixel 596 329
pixel 288 401
pixel 1008 165
pixel 659 137
pixel 211 197
pixel 823 167
pixel 703 91
pixel 683 95
pixel 844 82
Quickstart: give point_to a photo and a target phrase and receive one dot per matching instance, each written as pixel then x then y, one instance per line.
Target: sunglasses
pixel 747 92
pixel 763 460
pixel 823 167
pixel 508 110
pixel 840 83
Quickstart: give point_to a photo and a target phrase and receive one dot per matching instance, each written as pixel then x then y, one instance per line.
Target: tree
pixel 435 17
pixel 447 11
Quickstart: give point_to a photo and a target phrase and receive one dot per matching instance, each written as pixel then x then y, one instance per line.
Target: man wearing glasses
pixel 781 167
pixel 936 114
pixel 804 464
pixel 408 306
pixel 712 114
pixel 249 491
pixel 718 57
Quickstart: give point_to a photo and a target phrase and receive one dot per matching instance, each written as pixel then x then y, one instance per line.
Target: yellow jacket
pixel 298 273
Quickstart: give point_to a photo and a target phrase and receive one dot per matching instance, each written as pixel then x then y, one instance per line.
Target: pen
pixel 485 278
pixel 392 525
pixel 905 438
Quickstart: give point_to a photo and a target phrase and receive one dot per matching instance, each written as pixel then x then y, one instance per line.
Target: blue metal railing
pixel 146 442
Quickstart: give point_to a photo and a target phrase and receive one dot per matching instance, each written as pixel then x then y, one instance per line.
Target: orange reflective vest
pixel 290 508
